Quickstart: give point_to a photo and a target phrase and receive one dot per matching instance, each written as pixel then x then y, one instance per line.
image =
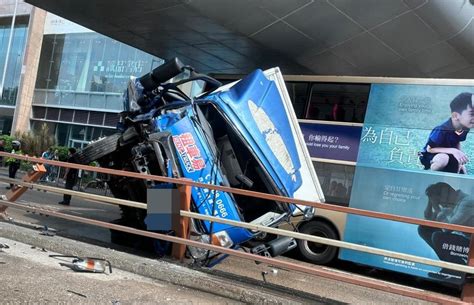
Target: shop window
pixel 78 132
pixel 39 113
pixel 80 116
pixel 96 118
pixel 111 119
pixel 47 47
pixel 52 114
pixel 66 115
pixel 62 132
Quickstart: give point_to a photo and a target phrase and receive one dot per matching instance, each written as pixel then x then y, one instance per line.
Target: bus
pixel 367 137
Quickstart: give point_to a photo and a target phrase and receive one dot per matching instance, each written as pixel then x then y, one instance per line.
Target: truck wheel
pixel 98 149
pixel 314 252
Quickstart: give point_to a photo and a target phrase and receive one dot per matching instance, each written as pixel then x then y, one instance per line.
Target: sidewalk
pixel 29 275
pixel 165 272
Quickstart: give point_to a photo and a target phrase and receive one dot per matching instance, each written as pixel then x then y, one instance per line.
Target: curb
pixel 157 269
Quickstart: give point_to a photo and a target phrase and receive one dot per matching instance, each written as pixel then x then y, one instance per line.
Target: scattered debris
pixel 42 249
pixel 4 246
pixel 265 273
pixel 86 264
pixel 46 231
pixel 77 293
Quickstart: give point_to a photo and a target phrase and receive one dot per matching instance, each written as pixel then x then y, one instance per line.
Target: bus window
pixel 336 181
pixel 298 93
pixel 338 102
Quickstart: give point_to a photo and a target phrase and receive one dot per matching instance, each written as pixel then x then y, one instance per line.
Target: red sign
pixel 189 152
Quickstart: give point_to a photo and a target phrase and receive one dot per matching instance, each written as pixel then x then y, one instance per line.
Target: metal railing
pixel 184 183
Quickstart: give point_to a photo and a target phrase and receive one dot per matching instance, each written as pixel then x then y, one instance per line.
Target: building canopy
pixel 405 38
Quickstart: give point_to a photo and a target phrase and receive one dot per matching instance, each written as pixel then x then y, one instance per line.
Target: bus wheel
pixel 315 252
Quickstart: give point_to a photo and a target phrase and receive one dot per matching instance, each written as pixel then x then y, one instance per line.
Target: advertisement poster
pixel 400 119
pixel 403 123
pixel 333 142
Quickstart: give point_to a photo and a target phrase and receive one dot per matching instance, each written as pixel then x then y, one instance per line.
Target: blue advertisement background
pixel 389 177
pixel 398 192
pixel 411 106
pixel 334 142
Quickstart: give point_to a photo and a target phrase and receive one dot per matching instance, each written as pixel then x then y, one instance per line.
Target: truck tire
pixel 98 149
pixel 314 252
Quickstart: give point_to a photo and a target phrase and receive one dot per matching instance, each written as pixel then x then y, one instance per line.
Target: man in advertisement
pixel 445 204
pixel 443 151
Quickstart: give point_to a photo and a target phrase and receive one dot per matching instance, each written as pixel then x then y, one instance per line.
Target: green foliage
pixel 62 151
pixel 7 142
pixel 26 166
pixel 34 143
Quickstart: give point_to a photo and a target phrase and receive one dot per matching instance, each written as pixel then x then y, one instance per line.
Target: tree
pixel 37 141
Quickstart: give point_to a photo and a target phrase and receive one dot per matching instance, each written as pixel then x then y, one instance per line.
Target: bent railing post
pixel 16 191
pixel 181 224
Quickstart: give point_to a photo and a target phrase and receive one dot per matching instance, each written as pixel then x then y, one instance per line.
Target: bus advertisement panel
pixel 413 161
pixel 331 142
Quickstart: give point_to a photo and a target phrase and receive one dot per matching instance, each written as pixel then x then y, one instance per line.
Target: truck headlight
pixel 222 239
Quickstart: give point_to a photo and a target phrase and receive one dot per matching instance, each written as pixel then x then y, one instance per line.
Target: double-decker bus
pixel 367 137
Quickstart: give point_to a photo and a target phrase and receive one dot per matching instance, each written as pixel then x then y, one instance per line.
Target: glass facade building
pixel 13 66
pixel 80 82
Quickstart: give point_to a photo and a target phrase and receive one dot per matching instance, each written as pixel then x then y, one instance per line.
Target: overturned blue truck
pixel 243 135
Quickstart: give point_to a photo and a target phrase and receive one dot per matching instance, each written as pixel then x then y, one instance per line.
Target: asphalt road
pixel 78 207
